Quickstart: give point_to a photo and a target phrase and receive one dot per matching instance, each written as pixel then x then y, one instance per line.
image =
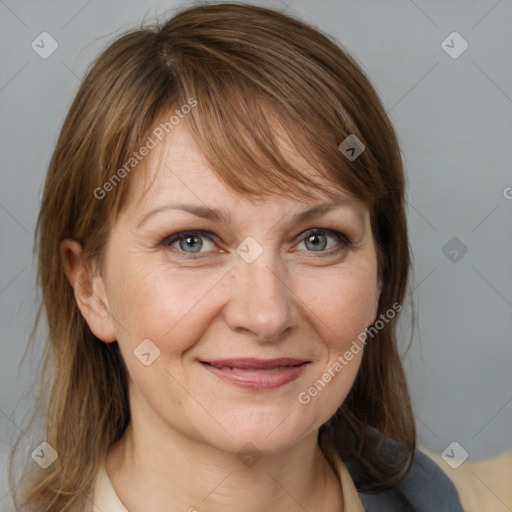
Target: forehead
pixel 177 170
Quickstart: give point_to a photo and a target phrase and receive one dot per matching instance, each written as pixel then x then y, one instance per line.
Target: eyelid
pixel 344 238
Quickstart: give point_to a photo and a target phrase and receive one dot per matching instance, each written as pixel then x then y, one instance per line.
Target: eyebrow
pixel 216 215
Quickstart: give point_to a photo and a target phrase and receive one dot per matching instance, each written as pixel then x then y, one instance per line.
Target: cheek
pixel 168 307
pixel 339 307
pixel 340 303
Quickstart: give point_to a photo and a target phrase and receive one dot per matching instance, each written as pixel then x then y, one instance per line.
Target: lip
pixel 259 374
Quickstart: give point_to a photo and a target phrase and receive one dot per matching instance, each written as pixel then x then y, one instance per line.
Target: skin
pixel 180 450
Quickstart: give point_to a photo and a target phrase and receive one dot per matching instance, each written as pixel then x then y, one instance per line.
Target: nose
pixel 262 303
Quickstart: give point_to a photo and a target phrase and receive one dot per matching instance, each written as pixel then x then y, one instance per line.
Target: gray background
pixel 454 120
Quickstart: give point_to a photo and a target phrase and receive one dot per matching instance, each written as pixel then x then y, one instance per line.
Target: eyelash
pixel 346 242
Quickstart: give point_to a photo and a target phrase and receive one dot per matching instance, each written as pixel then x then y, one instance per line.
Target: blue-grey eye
pixel 193 242
pixel 190 242
pixel 317 240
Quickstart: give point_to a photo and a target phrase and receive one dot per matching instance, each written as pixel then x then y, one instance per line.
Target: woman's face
pixel 260 287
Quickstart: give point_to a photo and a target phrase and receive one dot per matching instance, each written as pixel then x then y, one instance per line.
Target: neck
pixel 178 473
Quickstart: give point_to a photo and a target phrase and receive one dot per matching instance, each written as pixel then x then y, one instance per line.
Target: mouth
pixel 258 374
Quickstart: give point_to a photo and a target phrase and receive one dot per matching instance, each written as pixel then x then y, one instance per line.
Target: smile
pixel 258 374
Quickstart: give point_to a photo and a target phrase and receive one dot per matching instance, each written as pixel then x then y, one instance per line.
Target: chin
pixel 265 433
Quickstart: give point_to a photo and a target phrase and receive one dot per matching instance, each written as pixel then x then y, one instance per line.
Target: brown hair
pixel 238 63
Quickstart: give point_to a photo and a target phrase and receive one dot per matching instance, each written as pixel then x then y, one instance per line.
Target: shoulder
pixel 425 488
pixel 428 487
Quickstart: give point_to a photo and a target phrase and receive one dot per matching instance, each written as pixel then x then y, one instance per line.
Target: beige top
pixel 106 499
pixel 484 485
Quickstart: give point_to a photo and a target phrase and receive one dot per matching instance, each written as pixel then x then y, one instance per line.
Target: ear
pixel 89 291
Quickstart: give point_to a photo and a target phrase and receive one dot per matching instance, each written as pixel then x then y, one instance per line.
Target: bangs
pixel 258 142
pixel 258 148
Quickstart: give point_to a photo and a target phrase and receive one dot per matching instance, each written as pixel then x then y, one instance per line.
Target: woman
pixel 222 254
